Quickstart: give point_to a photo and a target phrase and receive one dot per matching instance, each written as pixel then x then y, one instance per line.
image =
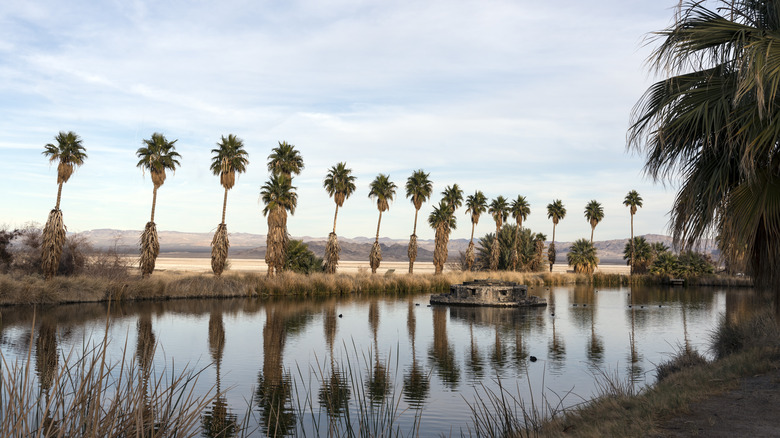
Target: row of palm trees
pixel 158 155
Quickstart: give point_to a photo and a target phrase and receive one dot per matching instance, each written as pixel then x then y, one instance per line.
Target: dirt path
pixel 752 410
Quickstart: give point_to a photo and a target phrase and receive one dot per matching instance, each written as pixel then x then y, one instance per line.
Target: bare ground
pixel 751 410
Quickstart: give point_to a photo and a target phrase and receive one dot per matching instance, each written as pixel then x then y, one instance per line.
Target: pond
pixel 430 365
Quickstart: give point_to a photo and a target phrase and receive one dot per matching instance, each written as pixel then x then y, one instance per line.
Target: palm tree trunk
pixel 59 195
pixel 631 267
pixel 154 202
pixel 553 244
pixel 334 218
pixel 377 225
pixel 224 207
pixel 472 232
pixel 412 252
pixel 592 229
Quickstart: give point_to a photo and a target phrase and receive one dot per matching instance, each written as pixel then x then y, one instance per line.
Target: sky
pixel 509 97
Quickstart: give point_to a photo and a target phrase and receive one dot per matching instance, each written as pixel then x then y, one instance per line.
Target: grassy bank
pixel 33 289
pixel 742 350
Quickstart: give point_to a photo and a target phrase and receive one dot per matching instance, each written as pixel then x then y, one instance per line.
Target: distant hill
pixel 247 245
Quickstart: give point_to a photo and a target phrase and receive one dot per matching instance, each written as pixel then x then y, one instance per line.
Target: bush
pixel 301 259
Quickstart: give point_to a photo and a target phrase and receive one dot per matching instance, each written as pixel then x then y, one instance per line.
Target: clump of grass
pixel 500 413
pixel 760 331
pixel 685 358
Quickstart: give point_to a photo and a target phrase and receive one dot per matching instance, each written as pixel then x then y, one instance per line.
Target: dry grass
pixel 19 288
pixel 52 241
pixel 332 253
pixel 150 249
pixel 219 250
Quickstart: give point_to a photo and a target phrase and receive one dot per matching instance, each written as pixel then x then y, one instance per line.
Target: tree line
pixel 523 250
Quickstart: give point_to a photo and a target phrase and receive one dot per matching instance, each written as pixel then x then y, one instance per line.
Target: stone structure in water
pixel 489 292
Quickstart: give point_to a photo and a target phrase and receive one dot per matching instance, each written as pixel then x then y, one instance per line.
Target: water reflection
pixel 334 392
pixel 416 380
pixel 46 362
pixel 218 420
pixel 629 328
pixel 556 347
pixel 144 352
pixel 442 354
pixel 274 385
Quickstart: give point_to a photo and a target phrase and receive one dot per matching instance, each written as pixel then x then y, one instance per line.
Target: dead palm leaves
pixel 470 256
pixel 332 252
pixel 53 241
pixel 495 252
pixel 440 252
pixel 150 249
pixel 219 249
pixel 412 252
pixel 375 257
pixel 276 241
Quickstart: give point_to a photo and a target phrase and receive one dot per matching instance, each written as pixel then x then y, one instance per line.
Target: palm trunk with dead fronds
pixel 150 249
pixel 53 241
pixel 412 252
pixel 276 241
pixel 332 252
pixel 375 257
pixel 219 249
pixel 495 253
pixel 470 256
pixel 440 252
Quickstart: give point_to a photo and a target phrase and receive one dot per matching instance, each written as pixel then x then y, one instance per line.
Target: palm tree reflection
pixel 416 381
pixel 442 354
pixel 274 389
pixel 378 383
pixel 218 421
pixel 334 392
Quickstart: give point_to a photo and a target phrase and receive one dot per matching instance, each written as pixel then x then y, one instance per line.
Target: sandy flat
pixel 195 264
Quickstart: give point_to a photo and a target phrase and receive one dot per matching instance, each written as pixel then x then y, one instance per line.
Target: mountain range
pixel 252 246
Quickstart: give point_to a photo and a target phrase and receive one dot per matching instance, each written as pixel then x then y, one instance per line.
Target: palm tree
pixel 70 153
pixel 382 191
pixel 594 213
pixel 520 209
pixel 639 253
pixel 499 209
pixel 714 122
pixel 582 257
pixel 340 184
pixel 285 160
pixel 633 200
pixel 157 156
pixel 555 211
pixel 453 197
pixel 418 189
pixel 442 220
pixel 476 204
pixel 279 197
pixel 229 157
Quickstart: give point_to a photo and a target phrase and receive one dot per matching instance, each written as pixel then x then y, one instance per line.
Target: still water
pixel 431 360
